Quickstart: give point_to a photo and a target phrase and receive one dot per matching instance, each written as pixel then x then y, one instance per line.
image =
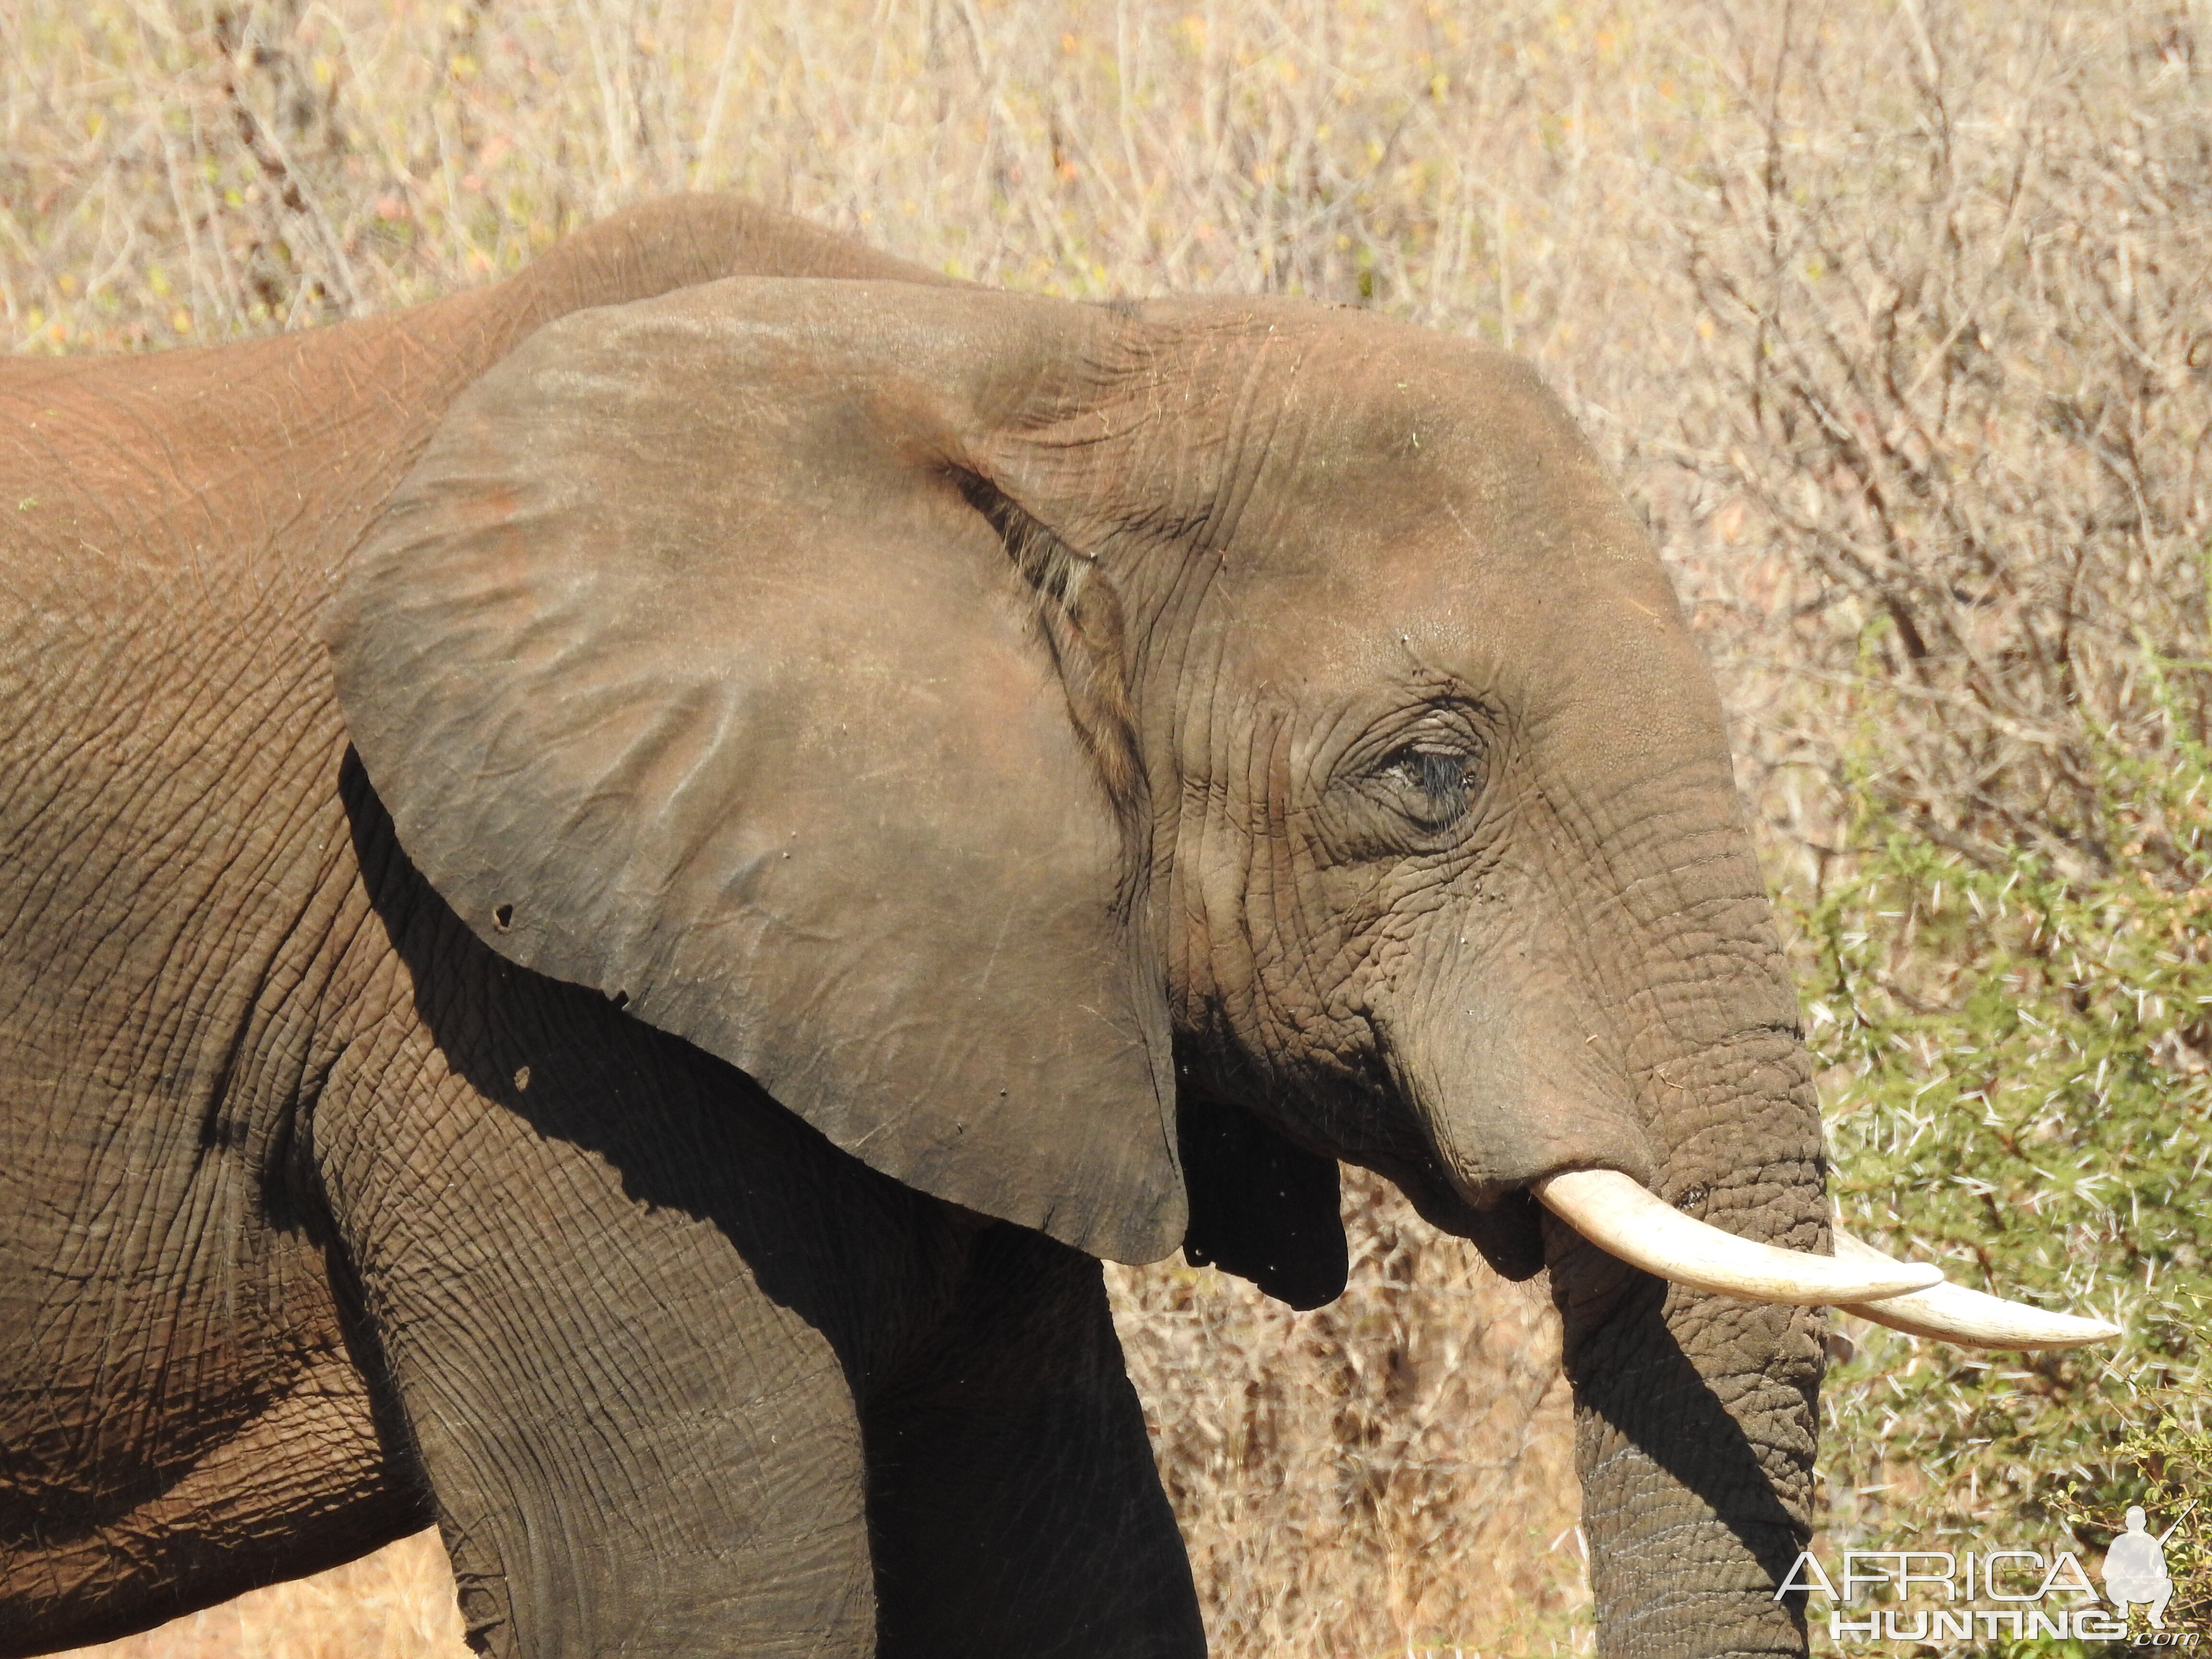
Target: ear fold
pixel 698 662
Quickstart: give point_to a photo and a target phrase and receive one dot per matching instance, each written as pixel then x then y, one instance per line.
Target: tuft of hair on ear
pixel 1081 621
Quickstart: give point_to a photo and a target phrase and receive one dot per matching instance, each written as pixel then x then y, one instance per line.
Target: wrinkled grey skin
pixel 602 916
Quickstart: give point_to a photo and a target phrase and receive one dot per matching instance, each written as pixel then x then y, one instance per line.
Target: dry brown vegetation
pixel 1893 316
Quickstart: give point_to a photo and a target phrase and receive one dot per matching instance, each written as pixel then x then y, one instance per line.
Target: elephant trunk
pixel 1658 1101
pixel 1695 1421
pixel 1695 1404
pixel 1696 1408
pixel 1694 1440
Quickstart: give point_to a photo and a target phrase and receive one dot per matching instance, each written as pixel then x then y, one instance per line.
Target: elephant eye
pixel 1431 785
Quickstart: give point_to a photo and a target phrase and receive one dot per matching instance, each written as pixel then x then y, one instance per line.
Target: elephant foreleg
pixel 1015 1510
pixel 303 1484
pixel 639 1437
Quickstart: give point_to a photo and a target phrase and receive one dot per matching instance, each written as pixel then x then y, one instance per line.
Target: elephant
pixel 616 887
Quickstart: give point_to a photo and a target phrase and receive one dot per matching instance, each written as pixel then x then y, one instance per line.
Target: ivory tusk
pixel 1955 1314
pixel 1618 1215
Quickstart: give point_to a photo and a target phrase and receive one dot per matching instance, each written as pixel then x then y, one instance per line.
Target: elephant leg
pixel 612 1304
pixel 1012 1497
pixel 304 1485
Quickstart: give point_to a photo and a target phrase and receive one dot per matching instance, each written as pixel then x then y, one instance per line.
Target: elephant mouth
pixel 1620 1216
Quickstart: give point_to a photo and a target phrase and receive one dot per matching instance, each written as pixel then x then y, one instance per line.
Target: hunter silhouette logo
pixel 2135 1569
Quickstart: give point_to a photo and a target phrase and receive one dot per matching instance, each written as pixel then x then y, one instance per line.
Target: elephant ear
pixel 699 661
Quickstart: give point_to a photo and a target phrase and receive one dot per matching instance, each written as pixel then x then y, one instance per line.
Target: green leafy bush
pixel 2015 1058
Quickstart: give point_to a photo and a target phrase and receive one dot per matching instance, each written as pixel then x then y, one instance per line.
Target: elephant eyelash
pixel 1432 785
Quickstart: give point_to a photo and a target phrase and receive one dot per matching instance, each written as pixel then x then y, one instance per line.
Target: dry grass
pixel 1891 315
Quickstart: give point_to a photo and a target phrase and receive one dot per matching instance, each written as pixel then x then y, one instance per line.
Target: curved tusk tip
pixel 1952 1313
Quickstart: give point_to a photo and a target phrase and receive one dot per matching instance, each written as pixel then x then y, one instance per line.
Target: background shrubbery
pixel 2017 1088
pixel 1894 318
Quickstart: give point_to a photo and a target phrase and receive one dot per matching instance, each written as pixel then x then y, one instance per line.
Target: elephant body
pixel 240 1130
pixel 397 1127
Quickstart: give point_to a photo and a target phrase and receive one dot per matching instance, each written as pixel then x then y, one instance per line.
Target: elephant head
pixel 1100 764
